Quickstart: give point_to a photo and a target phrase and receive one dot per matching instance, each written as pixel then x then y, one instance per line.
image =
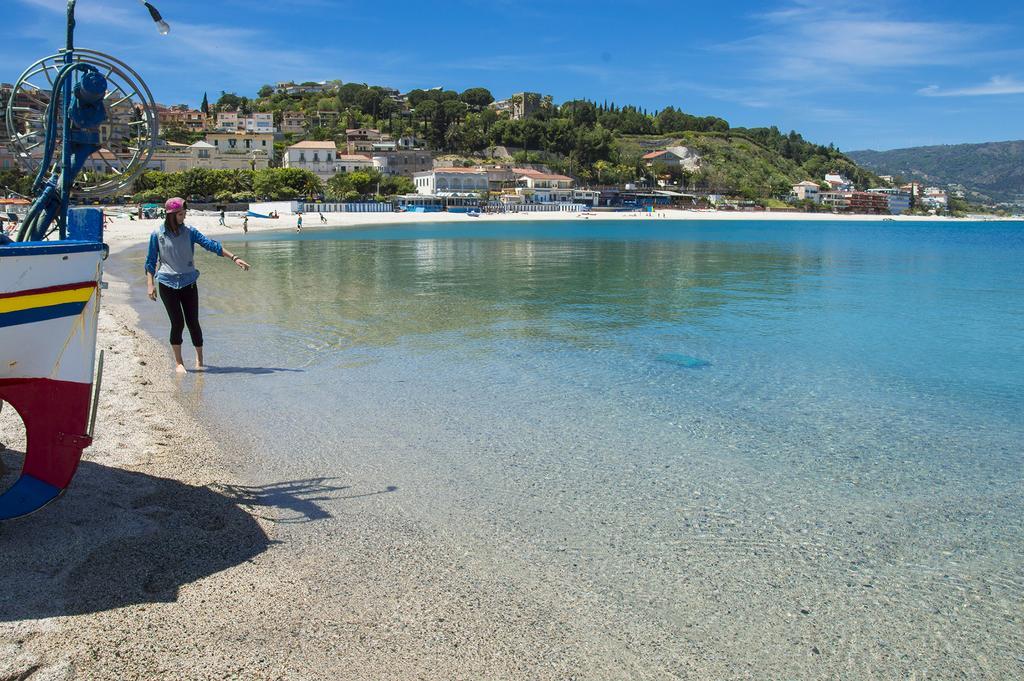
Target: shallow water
pixel 786 447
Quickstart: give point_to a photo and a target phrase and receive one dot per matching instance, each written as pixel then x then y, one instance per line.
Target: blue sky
pixel 858 74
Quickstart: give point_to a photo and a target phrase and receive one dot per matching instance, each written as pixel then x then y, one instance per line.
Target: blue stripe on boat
pixel 40 314
pixel 19 248
pixel 25 496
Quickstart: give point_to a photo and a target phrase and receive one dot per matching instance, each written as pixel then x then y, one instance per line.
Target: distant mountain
pixel 992 172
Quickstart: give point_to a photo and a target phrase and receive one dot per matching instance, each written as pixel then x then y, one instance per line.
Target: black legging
pixel 182 306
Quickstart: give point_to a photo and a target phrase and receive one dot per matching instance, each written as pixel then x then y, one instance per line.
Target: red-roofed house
pixel 540 187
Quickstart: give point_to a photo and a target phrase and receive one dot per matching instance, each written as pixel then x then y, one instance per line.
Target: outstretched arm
pixel 216 247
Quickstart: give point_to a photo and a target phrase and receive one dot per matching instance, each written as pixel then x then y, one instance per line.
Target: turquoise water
pixel 696 430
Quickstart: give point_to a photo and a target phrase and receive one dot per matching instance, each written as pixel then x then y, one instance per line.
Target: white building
pixel 232 121
pixel 438 181
pixel 899 200
pixel 540 187
pixel 323 159
pixel 935 198
pixel 838 182
pixel 807 190
pixel 260 122
pixel 240 142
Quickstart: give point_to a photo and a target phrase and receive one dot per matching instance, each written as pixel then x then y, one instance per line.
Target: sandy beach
pixel 159 563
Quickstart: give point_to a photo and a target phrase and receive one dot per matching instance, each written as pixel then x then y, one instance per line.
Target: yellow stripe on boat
pixel 27 302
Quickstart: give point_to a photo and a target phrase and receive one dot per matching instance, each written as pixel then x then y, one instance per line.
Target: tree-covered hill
pixel 991 173
pixel 596 142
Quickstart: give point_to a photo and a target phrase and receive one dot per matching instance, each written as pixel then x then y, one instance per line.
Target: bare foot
pixel 181 369
pixel 200 367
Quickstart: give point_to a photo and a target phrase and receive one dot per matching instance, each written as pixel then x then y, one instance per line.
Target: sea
pixel 765 443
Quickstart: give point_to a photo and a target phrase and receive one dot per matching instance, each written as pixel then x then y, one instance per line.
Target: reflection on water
pixel 358 294
pixel 674 420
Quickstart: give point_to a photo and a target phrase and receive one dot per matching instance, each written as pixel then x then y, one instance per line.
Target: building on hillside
pixel 118 132
pixel 228 121
pixel 405 163
pixel 242 142
pixel 367 141
pixel 233 121
pixel 838 182
pixel 191 120
pixel 807 191
pixel 525 104
pixel 326 119
pixel 915 188
pixel 260 122
pixel 294 122
pixel 408 142
pixel 290 88
pixel 899 200
pixel 439 180
pixel 502 106
pixel 886 178
pixel 322 158
pixel 661 155
pixel 935 198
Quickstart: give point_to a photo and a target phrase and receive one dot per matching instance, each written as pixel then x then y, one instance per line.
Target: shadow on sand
pixel 297 497
pixel 119 538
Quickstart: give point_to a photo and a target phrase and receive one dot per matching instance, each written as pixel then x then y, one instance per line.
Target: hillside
pixel 991 173
pixel 598 143
pixel 754 162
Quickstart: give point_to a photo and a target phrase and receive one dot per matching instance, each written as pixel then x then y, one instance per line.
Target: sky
pixel 857 74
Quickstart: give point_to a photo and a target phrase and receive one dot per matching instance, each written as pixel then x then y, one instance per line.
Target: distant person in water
pixel 298 224
pixel 170 266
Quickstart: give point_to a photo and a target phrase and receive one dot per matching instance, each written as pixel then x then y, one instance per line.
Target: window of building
pixel 316 157
pixel 302 157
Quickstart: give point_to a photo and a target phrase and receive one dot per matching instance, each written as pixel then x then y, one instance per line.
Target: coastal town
pixel 232 136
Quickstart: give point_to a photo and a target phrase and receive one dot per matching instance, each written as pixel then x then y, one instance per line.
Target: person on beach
pixel 298 225
pixel 221 223
pixel 170 266
pixel 323 220
pixel 245 224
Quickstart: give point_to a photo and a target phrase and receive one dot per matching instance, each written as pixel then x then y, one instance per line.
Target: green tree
pixel 477 98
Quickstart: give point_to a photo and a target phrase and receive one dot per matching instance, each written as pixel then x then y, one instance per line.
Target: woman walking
pixel 169 265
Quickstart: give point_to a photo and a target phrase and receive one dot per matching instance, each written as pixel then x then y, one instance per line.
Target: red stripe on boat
pixel 56 415
pixel 49 289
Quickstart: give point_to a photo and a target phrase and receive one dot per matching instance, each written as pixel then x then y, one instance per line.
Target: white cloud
pixel 842 44
pixel 996 85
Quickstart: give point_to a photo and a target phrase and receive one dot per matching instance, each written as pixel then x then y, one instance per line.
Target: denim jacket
pixel 174 255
